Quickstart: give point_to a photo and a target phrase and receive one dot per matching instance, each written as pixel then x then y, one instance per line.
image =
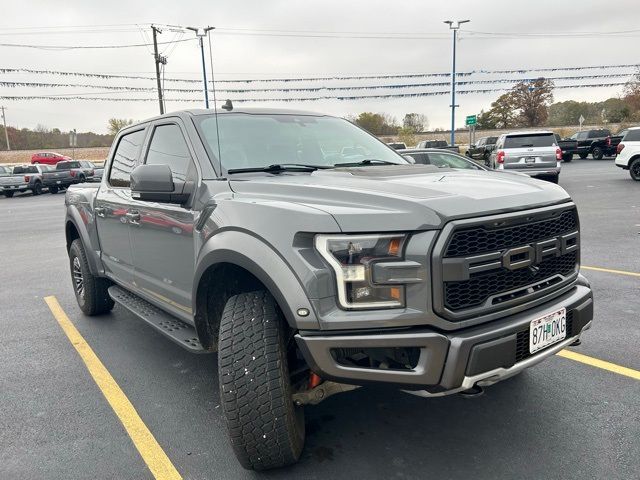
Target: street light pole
pixel 201 33
pixel 455 29
pixel 6 133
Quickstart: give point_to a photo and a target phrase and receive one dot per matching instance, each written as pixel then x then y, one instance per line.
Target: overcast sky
pixel 241 53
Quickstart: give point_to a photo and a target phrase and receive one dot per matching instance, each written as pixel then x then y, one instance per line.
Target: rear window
pixel 492 140
pixel 599 133
pixel 67 165
pixel 25 169
pixel 632 136
pixel 523 141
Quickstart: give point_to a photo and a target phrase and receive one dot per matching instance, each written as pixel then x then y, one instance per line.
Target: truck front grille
pixel 494 263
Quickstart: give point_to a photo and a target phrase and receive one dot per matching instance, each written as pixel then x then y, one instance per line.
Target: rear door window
pixel 599 133
pixel 528 140
pixel 124 158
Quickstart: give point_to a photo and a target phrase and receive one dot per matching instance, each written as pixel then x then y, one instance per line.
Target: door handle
pixel 100 211
pixel 133 216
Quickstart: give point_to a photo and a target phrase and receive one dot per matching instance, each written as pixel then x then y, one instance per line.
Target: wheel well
pixel 218 283
pixel 71 232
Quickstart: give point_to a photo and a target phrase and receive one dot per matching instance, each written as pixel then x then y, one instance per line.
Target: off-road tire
pixel 8 194
pixel 597 153
pixel 634 169
pixel 583 155
pixel 37 188
pixel 265 427
pixel 95 300
pixel 567 157
pixel 53 190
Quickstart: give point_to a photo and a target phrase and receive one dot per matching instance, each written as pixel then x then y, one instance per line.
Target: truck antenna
pixel 215 102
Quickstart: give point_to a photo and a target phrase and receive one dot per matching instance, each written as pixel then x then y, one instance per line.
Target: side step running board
pixel 178 331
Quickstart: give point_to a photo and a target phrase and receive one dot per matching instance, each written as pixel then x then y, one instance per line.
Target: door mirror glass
pixel 154 183
pixel 409 159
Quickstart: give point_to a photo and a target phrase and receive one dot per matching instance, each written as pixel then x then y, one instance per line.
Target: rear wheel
pixel 265 427
pixel 567 157
pixel 82 179
pixel 37 188
pixel 634 169
pixel 91 291
pixel 553 178
pixel 8 194
pixel 53 190
pixel 597 153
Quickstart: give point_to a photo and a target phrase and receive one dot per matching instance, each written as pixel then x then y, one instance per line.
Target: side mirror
pixel 154 183
pixel 409 159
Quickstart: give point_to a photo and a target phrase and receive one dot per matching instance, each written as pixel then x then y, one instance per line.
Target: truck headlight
pixel 352 258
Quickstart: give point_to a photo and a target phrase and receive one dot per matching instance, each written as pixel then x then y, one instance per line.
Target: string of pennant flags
pixel 519 71
pixel 290 99
pixel 14 84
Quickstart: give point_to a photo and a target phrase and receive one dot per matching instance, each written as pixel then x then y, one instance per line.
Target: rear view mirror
pixel 154 183
pixel 409 159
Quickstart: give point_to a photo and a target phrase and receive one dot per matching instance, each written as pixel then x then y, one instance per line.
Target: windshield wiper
pixel 368 161
pixel 280 167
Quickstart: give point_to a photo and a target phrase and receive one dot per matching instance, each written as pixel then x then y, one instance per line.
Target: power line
pixel 85 47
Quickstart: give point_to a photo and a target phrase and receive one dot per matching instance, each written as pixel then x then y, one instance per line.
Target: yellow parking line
pixel 610 270
pixel 594 362
pixel 149 449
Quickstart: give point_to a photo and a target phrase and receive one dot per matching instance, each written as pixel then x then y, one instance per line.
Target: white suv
pixel 629 153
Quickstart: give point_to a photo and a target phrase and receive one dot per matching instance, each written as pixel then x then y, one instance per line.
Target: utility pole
pixel 6 133
pixel 201 33
pixel 455 29
pixel 159 59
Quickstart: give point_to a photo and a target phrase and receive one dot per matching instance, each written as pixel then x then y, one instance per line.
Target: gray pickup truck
pixel 22 179
pixel 312 272
pixel 66 173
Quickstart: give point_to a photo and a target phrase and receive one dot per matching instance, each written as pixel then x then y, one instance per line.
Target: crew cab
pixel 441 144
pixel 596 143
pixel 482 149
pixel 314 259
pixel 48 158
pixel 568 147
pixel 23 178
pixel 628 152
pixel 67 173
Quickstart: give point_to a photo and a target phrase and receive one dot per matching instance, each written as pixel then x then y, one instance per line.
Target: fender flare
pixel 93 259
pixel 262 261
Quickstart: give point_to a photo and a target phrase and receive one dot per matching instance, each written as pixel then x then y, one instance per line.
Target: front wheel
pixel 8 194
pixel 91 291
pixel 567 157
pixel 53 190
pixel 597 153
pixel 265 427
pixel 634 169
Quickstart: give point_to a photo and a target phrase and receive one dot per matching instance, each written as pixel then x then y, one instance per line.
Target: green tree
pixel 415 122
pixel 532 100
pixel 114 125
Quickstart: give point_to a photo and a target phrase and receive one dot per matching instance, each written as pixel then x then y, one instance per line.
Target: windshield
pixel 253 141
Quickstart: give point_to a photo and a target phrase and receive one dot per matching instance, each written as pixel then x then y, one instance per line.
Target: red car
pixel 48 158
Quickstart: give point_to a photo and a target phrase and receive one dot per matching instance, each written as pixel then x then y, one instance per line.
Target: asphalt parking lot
pixel 562 419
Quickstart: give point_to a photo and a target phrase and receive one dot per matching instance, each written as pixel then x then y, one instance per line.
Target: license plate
pixel 530 160
pixel 59 181
pixel 547 330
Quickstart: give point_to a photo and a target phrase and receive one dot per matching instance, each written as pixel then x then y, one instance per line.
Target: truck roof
pixel 530 132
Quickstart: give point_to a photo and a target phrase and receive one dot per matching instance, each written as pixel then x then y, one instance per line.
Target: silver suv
pixel 535 153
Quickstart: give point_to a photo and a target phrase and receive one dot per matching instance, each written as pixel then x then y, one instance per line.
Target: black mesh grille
pixel 482 239
pixel 522 339
pixel 475 291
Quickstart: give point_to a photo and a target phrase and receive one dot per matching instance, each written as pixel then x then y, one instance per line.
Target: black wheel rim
pixel 635 169
pixel 78 278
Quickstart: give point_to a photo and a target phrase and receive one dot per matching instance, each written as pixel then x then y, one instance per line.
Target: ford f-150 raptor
pixel 315 259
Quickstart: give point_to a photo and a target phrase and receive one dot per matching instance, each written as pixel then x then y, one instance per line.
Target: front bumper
pixel 450 362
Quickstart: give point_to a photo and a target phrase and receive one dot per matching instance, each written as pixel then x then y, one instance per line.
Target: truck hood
pixel 397 198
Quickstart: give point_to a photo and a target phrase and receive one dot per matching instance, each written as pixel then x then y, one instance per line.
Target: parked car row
pixel 37 177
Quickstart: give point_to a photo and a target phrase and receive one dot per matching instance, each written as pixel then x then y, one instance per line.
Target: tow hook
pixel 321 392
pixel 473 392
pixel 576 343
